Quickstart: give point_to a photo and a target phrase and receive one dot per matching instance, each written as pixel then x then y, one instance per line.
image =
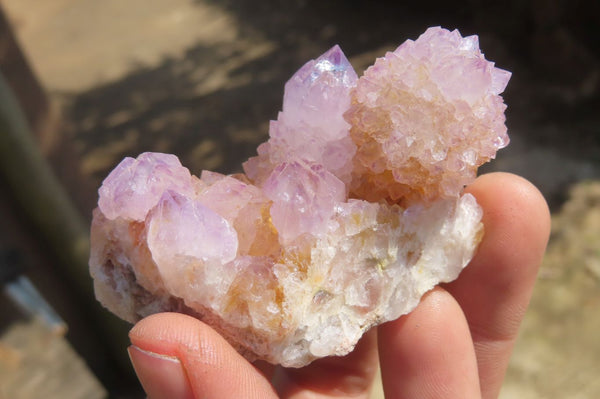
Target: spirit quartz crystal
pixel 351 211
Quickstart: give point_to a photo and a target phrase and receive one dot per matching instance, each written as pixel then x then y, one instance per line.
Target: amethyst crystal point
pixel 351 211
pixel 175 219
pixel 310 89
pixel 311 126
pixel 136 185
pixel 304 198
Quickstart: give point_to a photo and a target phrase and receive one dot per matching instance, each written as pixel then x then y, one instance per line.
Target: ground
pixel 201 79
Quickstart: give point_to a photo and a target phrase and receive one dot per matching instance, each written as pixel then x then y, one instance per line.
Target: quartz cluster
pixel 350 212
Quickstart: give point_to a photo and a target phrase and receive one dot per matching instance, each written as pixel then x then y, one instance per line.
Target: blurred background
pixel 86 83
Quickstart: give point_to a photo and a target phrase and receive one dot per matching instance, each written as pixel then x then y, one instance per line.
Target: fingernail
pixel 161 376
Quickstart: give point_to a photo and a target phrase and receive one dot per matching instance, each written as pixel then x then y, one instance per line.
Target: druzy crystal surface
pixel 350 212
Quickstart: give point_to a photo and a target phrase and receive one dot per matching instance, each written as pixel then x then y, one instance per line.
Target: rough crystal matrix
pixel 351 211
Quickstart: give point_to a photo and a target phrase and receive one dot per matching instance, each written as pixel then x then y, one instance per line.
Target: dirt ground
pixel 201 79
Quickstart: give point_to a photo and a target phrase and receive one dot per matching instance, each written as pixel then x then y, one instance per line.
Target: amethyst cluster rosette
pixel 350 212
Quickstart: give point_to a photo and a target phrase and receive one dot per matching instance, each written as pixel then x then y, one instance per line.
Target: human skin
pixel 455 344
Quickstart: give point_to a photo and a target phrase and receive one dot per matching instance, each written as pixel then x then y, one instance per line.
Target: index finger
pixel 495 289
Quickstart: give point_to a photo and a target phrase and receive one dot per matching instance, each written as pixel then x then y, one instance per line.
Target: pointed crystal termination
pixel 351 211
pixel 304 199
pixel 311 126
pixel 438 119
pixel 136 185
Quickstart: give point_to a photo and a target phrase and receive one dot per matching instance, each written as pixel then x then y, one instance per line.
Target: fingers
pixel 350 376
pixel 177 356
pixel 494 290
pixel 429 353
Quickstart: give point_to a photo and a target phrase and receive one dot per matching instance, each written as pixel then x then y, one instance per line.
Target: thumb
pixel 161 376
pixel 178 356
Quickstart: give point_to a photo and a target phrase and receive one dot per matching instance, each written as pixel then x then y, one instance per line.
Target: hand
pixel 455 344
